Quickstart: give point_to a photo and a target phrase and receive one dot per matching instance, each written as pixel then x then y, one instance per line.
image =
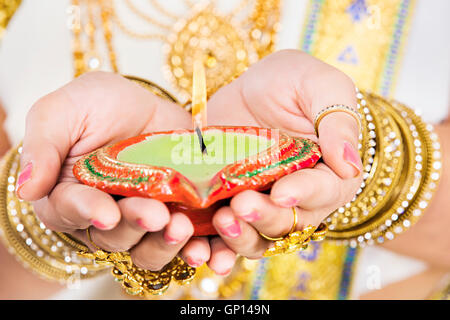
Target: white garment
pixel 36 58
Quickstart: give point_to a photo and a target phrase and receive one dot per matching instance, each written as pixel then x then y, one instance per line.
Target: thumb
pixel 45 146
pixel 338 131
pixel 338 140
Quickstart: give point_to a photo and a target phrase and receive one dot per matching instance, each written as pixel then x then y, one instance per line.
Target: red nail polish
pixel 351 157
pixel 170 240
pixel 141 223
pixel 24 176
pixel 98 224
pixel 225 273
pixel 232 231
pixel 253 216
pixel 194 263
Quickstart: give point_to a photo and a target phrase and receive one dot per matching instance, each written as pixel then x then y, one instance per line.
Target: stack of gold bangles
pixel 402 167
pixel 401 160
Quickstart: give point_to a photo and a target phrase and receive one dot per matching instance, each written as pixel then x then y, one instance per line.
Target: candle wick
pixel 201 140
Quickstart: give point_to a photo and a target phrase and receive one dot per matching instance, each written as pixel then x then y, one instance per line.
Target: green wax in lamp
pixel 182 153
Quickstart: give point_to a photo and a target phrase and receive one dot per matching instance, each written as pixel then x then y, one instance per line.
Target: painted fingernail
pixel 141 223
pixel 224 273
pixel 24 176
pixel 233 230
pixel 98 224
pixel 287 202
pixel 253 216
pixel 171 240
pixel 194 262
pixel 352 158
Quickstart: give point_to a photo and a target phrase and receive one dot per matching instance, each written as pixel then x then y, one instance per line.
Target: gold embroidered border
pixel 363 38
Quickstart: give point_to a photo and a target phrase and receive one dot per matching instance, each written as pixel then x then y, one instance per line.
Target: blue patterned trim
pixel 394 52
pixel 311 25
pixel 312 253
pixel 393 55
pixel 347 275
pixel 259 279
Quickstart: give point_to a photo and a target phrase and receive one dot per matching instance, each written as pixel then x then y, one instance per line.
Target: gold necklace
pixel 85 54
pixel 7 10
pixel 228 46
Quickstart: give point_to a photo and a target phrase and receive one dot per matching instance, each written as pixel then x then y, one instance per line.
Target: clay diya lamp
pixel 170 167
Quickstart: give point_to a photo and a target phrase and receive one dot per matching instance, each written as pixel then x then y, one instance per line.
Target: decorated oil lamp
pixel 197 171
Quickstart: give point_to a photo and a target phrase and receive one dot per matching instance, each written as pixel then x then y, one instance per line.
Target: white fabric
pixel 423 82
pixel 35 59
pixel 378 267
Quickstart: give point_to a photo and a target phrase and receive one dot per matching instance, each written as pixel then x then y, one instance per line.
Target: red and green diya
pixel 169 166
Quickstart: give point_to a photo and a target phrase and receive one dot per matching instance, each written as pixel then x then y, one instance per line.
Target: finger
pixel 70 119
pixel 139 216
pixel 222 258
pixel 45 212
pixel 338 131
pixel 157 249
pixel 258 210
pixel 75 206
pixel 315 192
pixel 338 140
pixel 308 188
pixel 83 206
pixel 146 214
pixel 196 252
pixel 238 235
pixel 46 143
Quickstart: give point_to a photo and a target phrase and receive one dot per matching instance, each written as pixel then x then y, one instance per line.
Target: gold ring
pixel 88 233
pixel 294 226
pixel 336 108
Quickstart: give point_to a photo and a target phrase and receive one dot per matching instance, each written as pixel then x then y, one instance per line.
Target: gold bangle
pixel 336 108
pixel 57 256
pixel 50 255
pixel 399 185
pixel 294 226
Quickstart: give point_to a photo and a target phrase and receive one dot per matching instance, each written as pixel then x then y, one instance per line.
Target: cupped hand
pixel 286 90
pixel 94 110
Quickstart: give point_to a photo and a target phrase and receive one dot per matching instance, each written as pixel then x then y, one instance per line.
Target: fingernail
pixel 141 223
pixel 253 216
pixel 24 176
pixel 98 224
pixel 224 273
pixel 171 240
pixel 233 230
pixel 194 263
pixel 351 156
pixel 287 202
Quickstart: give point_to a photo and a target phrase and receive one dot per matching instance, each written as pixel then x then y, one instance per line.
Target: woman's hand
pixel 94 110
pixel 286 90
